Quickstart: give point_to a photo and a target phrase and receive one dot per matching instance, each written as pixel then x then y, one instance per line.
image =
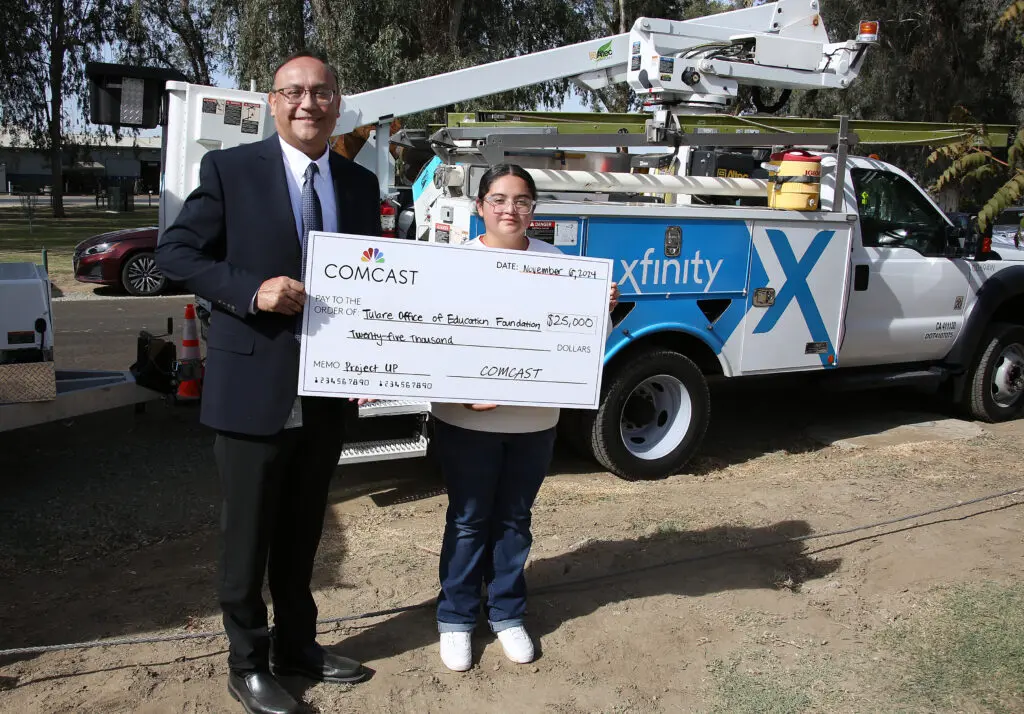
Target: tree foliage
pixel 932 56
pixel 973 164
pixel 262 33
pixel 379 43
pixel 935 61
pixel 59 37
pixel 17 45
pixel 186 35
pixel 1012 13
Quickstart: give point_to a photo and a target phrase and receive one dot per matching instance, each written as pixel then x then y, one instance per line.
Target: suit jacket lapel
pixel 342 193
pixel 278 204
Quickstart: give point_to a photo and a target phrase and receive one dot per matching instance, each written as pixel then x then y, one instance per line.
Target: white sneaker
pixel 517 644
pixel 456 651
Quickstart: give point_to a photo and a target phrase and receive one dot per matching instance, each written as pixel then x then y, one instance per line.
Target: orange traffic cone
pixel 189 388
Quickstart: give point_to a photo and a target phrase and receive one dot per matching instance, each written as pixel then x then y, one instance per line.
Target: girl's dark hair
pixel 497 171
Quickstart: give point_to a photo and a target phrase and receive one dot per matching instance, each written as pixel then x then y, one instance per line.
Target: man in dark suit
pixel 239 242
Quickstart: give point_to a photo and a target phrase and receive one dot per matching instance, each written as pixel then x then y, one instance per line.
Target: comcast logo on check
pixel 372 255
pixel 374 272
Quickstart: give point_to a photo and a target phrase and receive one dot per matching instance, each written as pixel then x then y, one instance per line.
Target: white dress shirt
pixel 295 163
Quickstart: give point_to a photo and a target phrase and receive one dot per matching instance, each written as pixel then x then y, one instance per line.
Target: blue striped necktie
pixel 312 217
pixel 312 220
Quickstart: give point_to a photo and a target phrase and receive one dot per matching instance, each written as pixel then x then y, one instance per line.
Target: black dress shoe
pixel 260 693
pixel 316 663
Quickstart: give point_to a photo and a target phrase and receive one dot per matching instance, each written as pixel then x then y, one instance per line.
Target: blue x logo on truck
pixel 796 287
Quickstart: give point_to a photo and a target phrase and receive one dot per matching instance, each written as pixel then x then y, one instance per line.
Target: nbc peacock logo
pixel 372 255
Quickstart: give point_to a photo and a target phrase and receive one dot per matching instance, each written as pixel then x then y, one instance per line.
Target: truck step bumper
pixel 886 379
pixel 393 407
pixel 383 450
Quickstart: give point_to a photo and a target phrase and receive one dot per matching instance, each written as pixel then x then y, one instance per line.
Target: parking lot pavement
pixel 13 201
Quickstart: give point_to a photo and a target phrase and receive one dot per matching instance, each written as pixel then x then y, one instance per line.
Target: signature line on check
pixel 512 379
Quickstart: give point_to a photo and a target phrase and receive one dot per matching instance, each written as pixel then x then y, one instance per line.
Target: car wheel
pixel 652 419
pixel 996 387
pixel 140 276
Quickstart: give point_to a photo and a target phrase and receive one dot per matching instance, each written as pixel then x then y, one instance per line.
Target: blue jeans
pixel 492 480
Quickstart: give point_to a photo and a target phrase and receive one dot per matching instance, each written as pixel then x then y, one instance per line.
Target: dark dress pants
pixel 274 498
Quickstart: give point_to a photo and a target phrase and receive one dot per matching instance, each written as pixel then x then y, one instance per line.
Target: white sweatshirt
pixel 504 419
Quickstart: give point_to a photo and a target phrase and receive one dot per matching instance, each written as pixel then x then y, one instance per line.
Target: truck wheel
pixel 574 428
pixel 996 388
pixel 653 416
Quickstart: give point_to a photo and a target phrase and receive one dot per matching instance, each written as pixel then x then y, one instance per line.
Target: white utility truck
pixel 834 267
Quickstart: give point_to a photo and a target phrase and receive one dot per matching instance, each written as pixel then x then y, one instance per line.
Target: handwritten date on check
pixel 393 319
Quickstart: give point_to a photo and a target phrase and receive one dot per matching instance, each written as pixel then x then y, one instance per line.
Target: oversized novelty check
pixel 398 319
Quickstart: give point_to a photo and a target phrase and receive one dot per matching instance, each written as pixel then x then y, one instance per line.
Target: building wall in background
pixel 87 168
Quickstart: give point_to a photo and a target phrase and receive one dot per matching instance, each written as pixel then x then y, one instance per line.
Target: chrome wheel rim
pixel 655 417
pixel 1008 376
pixel 144 276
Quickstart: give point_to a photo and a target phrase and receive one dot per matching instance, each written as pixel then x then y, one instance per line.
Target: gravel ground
pixel 108 528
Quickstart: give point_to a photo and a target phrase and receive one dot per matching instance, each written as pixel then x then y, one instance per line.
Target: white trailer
pixel 32 390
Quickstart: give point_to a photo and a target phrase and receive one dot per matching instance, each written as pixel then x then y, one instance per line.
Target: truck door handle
pixel 860 277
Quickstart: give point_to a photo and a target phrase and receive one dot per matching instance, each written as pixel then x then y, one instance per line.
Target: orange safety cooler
pixel 796 185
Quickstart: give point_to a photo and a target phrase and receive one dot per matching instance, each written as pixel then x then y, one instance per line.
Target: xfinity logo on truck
pixel 669 271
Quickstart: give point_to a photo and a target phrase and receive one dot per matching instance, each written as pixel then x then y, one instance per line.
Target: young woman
pixel 493 459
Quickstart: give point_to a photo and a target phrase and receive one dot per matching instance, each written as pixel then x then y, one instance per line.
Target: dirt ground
pixel 640 599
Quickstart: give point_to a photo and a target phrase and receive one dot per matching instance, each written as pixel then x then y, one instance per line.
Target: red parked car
pixel 124 259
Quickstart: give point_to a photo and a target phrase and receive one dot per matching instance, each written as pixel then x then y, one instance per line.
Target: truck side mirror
pixel 956 241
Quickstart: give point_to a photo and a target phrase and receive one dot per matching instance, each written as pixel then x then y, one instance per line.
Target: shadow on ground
pixel 110 528
pixel 573 585
pixel 108 524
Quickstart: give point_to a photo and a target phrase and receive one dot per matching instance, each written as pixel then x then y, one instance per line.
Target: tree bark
pixel 57 38
pixel 455 23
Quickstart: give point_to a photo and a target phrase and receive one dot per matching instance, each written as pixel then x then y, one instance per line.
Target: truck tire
pixel 574 429
pixel 652 418
pixel 995 389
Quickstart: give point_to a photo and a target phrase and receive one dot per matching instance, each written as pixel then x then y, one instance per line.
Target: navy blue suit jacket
pixel 235 230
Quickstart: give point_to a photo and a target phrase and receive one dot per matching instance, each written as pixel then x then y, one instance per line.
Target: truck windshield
pixel 894 214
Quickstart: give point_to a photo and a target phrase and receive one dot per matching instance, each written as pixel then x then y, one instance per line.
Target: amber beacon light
pixel 868 31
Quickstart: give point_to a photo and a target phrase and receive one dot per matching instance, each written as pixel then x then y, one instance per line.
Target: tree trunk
pixel 294 32
pixel 455 23
pixel 57 36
